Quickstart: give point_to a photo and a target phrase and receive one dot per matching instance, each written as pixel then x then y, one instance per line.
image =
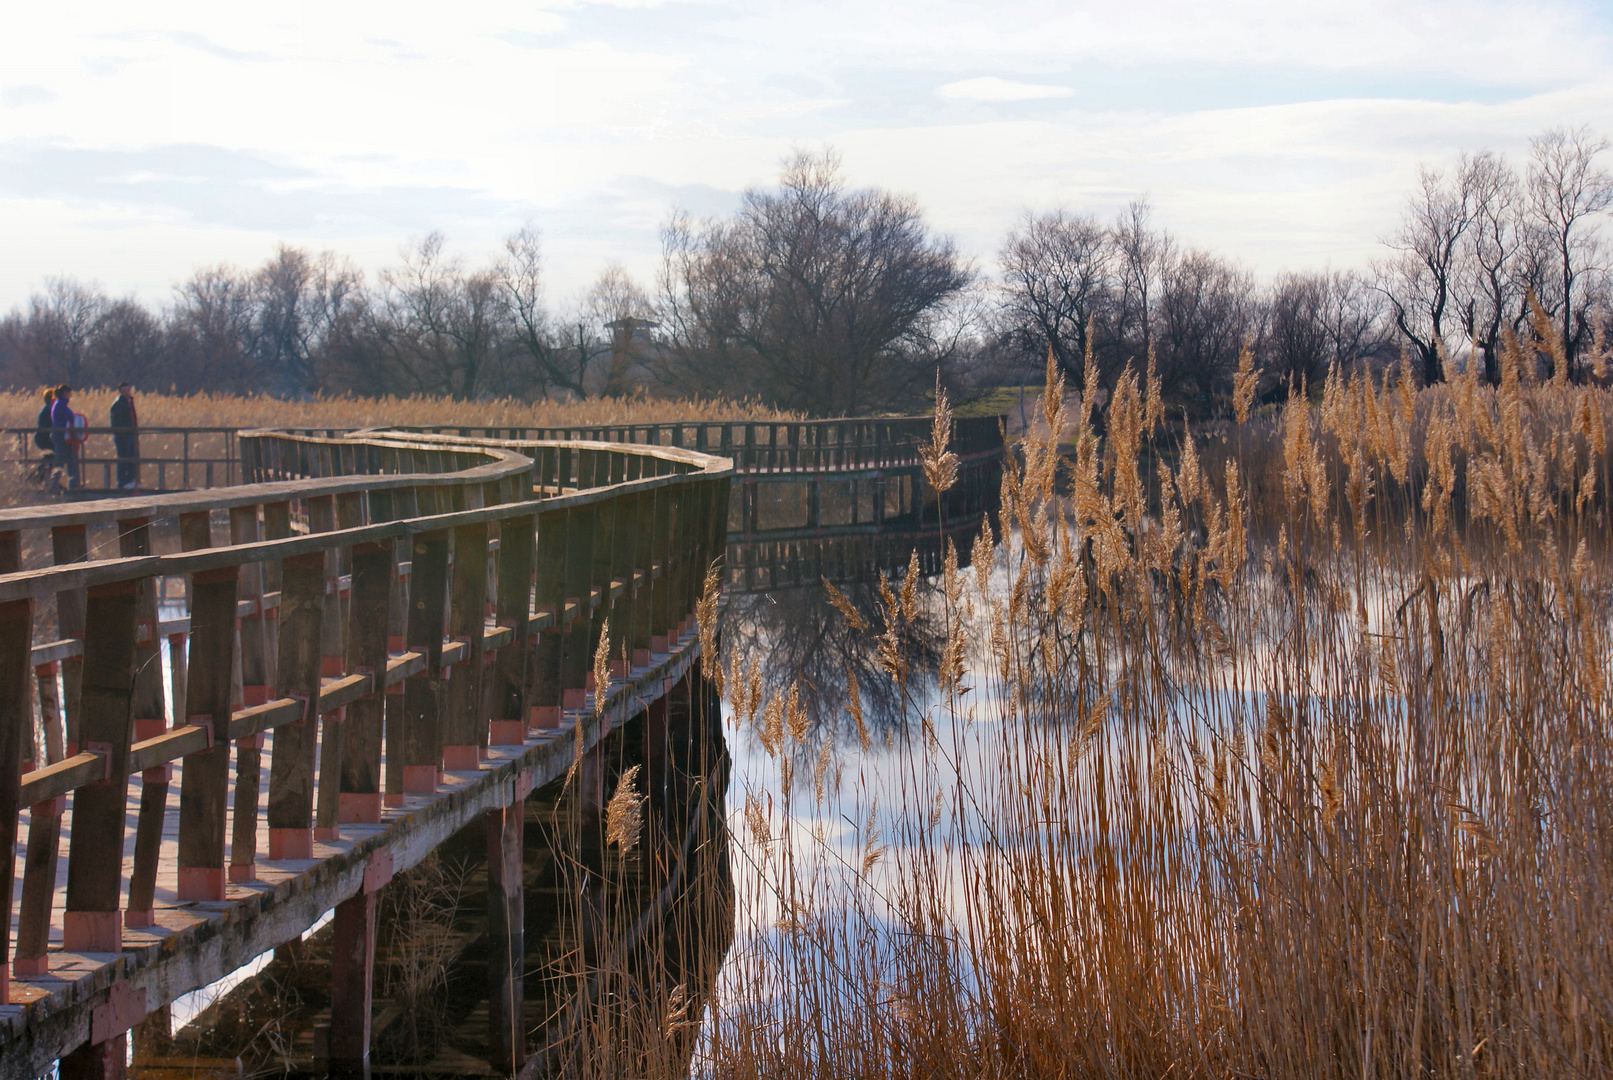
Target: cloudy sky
pixel 139 141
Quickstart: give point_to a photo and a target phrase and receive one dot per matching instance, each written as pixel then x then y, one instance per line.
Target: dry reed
pixel 18 410
pixel 1284 756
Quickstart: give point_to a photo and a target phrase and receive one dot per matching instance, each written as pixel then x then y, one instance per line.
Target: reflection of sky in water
pixel 941 781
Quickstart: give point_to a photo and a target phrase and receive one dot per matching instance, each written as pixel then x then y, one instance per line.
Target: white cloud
pixel 991 88
pixel 390 120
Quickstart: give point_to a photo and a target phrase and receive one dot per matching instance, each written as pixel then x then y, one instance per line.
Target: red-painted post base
pixel 291 843
pixel 31 967
pixel 506 733
pixel 92 931
pixel 358 808
pixel 200 883
pixel 420 779
pixel 461 758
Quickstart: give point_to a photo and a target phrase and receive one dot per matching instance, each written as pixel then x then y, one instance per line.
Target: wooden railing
pixel 169 458
pixel 329 600
pixel 774 446
pixel 181 459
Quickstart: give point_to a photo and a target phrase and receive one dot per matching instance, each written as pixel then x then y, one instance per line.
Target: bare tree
pixel 299 300
pixel 813 296
pixel 129 345
pixel 1353 315
pixel 1490 270
pixel 1143 255
pixel 1296 331
pixel 437 329
pixel 1420 277
pixel 1566 192
pixel 1205 310
pixel 210 327
pixel 1318 322
pixel 520 277
pixel 59 330
pixel 1056 283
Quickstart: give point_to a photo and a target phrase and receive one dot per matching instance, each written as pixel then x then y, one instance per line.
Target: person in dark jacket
pixel 61 427
pixel 126 441
pixel 42 439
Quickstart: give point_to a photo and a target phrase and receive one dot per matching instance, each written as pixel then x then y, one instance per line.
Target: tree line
pixel 833 300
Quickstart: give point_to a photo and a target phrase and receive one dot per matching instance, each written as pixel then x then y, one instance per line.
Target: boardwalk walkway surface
pixel 414 621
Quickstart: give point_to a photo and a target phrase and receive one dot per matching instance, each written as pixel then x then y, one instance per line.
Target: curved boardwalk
pixel 414 622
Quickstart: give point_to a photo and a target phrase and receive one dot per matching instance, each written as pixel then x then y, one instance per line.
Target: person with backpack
pixel 126 437
pixel 42 440
pixel 63 437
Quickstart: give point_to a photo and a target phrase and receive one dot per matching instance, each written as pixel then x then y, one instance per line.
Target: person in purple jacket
pixel 61 426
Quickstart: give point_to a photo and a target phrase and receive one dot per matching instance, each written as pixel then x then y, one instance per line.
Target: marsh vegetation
pixel 1281 752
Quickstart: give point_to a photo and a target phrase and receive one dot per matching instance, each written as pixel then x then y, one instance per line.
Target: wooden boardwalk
pixel 523 558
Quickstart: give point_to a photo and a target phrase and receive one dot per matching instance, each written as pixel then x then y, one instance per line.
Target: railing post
pixel 44 841
pixel 642 627
pixel 368 617
pixel 423 693
pixel 134 539
pixel 291 769
pixel 545 695
pixel 515 564
pixel 601 575
pixel 69 544
pixel 404 505
pixel 685 534
pixel 577 658
pixel 717 525
pixel 325 515
pixel 16 727
pixel 623 511
pixel 661 600
pixel 250 663
pixel 205 777
pixel 92 922
pixel 276 526
pixel 322 518
pixel 464 729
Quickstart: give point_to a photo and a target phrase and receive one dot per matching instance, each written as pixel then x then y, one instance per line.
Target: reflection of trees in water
pixel 796 635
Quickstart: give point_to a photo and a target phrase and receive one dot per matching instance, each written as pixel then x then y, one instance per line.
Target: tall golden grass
pixel 1285 756
pixel 19 408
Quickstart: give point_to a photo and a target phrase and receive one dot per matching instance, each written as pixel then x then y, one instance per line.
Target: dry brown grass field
pixel 18 409
pixel 1284 754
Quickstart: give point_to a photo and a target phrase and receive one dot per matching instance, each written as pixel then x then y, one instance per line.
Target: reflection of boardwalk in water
pixel 849 524
pixel 761 565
